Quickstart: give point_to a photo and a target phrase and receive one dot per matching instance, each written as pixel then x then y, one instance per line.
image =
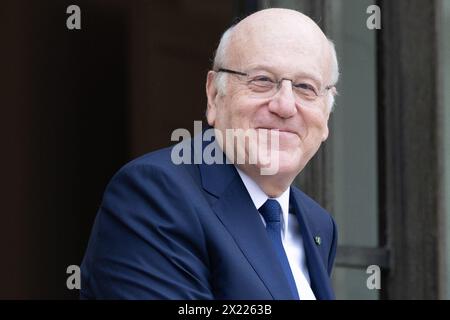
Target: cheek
pixel 316 122
pixel 223 114
pixel 237 113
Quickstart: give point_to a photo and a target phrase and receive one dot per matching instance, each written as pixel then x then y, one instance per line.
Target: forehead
pixel 289 50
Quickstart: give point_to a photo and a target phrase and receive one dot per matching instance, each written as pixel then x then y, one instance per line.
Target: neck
pixel 272 185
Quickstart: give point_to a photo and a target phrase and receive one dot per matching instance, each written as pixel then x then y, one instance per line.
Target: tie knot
pixel 271 211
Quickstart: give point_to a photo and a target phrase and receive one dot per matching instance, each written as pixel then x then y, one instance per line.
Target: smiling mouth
pixel 279 130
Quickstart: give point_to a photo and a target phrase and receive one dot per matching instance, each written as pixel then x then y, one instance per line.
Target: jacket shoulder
pixel 160 162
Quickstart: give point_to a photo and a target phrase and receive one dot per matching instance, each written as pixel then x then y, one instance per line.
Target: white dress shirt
pixel 290 236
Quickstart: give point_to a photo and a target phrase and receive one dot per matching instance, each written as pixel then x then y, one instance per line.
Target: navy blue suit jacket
pixel 166 231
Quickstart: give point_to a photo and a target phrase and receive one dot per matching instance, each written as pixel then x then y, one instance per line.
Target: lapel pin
pixel 318 240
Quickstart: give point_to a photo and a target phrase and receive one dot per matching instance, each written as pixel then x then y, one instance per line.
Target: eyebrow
pixel 315 77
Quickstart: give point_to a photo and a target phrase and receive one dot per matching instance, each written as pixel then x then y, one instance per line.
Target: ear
pixel 325 132
pixel 211 94
pixel 325 128
pixel 328 113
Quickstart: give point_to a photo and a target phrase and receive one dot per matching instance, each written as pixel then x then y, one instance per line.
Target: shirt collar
pixel 259 197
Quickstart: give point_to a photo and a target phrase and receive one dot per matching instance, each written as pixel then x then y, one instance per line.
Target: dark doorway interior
pixel 76 105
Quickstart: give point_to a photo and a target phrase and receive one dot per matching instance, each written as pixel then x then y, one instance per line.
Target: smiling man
pixel 226 231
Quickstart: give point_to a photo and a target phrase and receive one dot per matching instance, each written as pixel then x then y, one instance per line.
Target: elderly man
pixel 225 230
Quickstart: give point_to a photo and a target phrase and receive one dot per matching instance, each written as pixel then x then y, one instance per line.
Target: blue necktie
pixel 271 211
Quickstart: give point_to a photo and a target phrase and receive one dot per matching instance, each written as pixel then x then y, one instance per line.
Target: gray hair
pixel 220 61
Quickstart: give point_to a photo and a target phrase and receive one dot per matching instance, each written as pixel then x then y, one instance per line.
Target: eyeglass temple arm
pixel 232 71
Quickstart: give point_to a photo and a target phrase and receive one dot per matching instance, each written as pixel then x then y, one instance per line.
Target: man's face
pixel 282 53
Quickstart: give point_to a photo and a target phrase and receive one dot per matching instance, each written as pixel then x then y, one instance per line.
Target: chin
pixel 281 163
pixel 289 165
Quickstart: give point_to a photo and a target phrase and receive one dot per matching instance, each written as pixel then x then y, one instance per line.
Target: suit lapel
pixel 235 209
pixel 320 281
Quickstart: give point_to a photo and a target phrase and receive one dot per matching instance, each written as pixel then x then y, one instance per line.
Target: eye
pixel 261 82
pixel 306 88
pixel 262 78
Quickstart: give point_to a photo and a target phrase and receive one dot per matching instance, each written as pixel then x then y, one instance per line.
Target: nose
pixel 283 103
